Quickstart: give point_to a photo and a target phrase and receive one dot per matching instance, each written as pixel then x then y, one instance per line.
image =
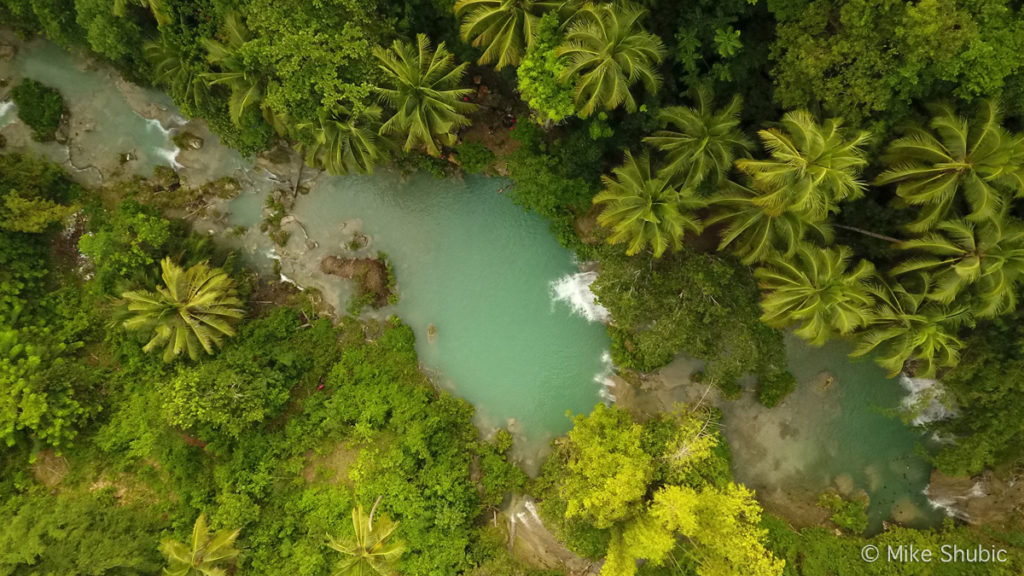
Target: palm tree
pixel 643 208
pixel 204 555
pixel 701 143
pixel 505 27
pixel 756 232
pixel 171 69
pixel 344 141
pixel 907 327
pixel 154 6
pixel 816 289
pixel 812 167
pixel 986 258
pixel 979 158
pixel 422 88
pixel 247 84
pixel 608 52
pixel 372 551
pixel 192 310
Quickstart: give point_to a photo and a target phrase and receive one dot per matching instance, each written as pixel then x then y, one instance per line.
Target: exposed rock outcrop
pixel 986 499
pixel 371 273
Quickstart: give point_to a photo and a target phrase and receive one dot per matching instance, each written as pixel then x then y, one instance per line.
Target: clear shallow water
pixel 844 435
pixel 482 272
pixel 103 124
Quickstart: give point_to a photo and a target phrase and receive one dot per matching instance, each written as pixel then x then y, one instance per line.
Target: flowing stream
pixel 502 314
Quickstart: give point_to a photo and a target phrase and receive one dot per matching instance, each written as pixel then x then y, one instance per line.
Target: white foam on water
pixel 924 400
pixel 169 155
pixel 951 506
pixel 574 290
pixel 6 112
pixel 604 378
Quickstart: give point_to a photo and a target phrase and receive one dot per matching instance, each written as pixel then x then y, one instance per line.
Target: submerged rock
pixel 7 52
pixel 371 273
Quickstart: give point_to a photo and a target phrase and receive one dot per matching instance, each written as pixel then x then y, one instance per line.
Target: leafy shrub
pixel 848 514
pixel 39 107
pixel 474 156
pixel 773 387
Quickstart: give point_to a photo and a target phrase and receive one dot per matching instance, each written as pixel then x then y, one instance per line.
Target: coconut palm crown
pixel 977 159
pixel 700 142
pixel 812 167
pixel 503 28
pixel 372 552
pixel 983 260
pixel 908 327
pixel 204 555
pixel 818 290
pixel 191 312
pixel 645 209
pixel 607 52
pixel 421 86
pixel 344 141
pixel 755 232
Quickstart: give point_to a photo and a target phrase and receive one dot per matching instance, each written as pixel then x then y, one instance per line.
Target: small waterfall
pixel 574 290
pixel 952 505
pixel 169 155
pixel 6 112
pixel 604 378
pixel 924 400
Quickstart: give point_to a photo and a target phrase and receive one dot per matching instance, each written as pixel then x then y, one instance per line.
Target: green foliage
pixel 817 290
pixel 648 485
pixel 953 161
pixel 980 263
pixel 700 143
pixel 868 60
pixel 39 107
pixel 34 194
pixel 247 383
pixel 500 476
pixel 372 551
pixel 91 534
pixel 474 157
pixel 205 554
pixel 192 310
pixel 606 51
pixel 421 86
pixel 702 305
pixel 813 167
pixel 850 515
pixel 345 141
pixel 643 208
pixel 773 387
pixel 540 75
pixel 505 29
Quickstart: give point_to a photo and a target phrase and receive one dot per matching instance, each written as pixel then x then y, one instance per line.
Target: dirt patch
pixel 330 468
pixel 371 273
pixel 534 545
pixel 50 469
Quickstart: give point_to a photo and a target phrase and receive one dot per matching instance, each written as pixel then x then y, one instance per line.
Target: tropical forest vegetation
pixel 734 170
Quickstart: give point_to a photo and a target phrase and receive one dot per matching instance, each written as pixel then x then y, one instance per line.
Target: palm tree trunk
pixel 868 233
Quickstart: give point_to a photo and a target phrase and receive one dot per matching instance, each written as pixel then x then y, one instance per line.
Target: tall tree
pixel 978 158
pixel 421 85
pixel 247 84
pixel 700 142
pixel 984 260
pixel 192 311
pixel 812 167
pixel 607 51
pixel 204 555
pixel 907 327
pixel 156 7
pixel 171 69
pixel 344 141
pixel 755 231
pixel 817 290
pixel 503 28
pixel 643 208
pixel 372 551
